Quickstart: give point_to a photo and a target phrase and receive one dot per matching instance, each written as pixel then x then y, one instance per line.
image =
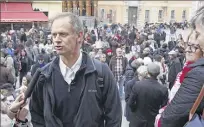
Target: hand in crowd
pixel 17 108
pixel 17 104
pixel 21 115
pixel 23 89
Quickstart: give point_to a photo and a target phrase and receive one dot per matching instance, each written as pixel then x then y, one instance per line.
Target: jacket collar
pixel 90 66
pixel 199 62
pixel 87 60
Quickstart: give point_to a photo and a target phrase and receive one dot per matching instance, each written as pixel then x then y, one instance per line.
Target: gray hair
pixel 198 18
pixel 142 71
pixel 74 20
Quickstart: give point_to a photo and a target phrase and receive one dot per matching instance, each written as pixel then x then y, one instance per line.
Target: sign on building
pixel 88 21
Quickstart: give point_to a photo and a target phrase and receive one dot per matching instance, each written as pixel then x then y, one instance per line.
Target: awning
pixel 20 12
pixel 22 17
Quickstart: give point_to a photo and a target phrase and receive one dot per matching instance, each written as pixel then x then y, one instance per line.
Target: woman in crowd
pixel 191 57
pixel 24 65
pixel 176 113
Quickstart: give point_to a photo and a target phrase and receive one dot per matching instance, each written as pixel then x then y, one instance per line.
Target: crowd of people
pixel 85 74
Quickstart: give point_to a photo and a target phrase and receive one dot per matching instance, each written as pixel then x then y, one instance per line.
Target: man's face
pixel 119 52
pixel 103 58
pixel 65 39
pixel 40 61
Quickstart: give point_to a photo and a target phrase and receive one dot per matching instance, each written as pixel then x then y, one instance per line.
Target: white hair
pixel 142 71
pixel 198 17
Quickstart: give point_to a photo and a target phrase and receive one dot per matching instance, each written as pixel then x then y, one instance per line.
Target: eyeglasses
pixel 193 47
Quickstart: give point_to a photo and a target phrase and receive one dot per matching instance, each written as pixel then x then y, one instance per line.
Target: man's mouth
pixel 58 47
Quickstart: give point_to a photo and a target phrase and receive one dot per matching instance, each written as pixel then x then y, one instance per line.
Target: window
pixel 102 13
pixel 172 14
pixel 111 16
pixel 146 15
pixel 160 14
pixel 184 14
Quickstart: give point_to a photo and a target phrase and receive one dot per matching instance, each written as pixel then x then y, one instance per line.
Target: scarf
pixel 179 80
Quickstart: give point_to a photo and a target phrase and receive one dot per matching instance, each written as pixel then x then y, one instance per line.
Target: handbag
pixel 196 120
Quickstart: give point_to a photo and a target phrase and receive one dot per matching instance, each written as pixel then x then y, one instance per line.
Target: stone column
pixel 81 6
pixel 96 8
pixel 69 5
pixel 74 7
pixel 88 8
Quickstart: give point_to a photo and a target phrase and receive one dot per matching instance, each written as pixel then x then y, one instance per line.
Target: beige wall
pixel 166 6
pixel 53 7
pixel 119 10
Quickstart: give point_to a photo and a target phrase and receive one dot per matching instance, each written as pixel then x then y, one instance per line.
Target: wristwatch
pixel 20 123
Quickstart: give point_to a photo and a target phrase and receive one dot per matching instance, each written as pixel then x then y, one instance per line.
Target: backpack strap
pixel 100 80
pixel 99 69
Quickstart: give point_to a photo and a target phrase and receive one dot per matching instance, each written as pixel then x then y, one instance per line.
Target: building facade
pixel 50 8
pixel 112 12
pixel 80 7
pixel 163 11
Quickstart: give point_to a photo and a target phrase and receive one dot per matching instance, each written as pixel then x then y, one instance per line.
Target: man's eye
pixel 54 35
pixel 63 34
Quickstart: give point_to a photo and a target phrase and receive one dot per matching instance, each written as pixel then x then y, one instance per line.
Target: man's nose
pixel 57 38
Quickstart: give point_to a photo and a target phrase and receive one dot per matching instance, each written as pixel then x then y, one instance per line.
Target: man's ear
pixel 80 37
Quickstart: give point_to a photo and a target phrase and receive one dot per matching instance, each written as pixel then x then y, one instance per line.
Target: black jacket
pixel 129 73
pixel 174 68
pixel 35 67
pixel 128 89
pixel 177 112
pixel 91 112
pixel 163 36
pixel 147 97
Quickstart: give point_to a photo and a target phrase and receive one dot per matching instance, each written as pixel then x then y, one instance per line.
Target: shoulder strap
pixel 197 103
pixel 99 70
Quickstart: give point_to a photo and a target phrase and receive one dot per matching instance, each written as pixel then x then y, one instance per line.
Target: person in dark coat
pixel 6 75
pixel 46 57
pixel 130 70
pixel 132 37
pixel 24 66
pixel 23 37
pixel 157 38
pixel 172 44
pixel 40 64
pixel 128 89
pixel 146 99
pixel 68 92
pixel 175 67
pixel 176 113
pixel 163 36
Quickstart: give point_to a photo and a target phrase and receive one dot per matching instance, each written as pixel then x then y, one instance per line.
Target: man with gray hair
pixel 146 98
pixel 176 114
pixel 74 90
